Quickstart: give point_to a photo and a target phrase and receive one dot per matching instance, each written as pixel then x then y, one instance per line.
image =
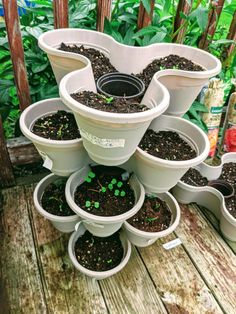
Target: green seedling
pixel 113 181
pixel 162 68
pixel 119 184
pixel 157 205
pixel 103 189
pixel 96 204
pixel 109 100
pixel 91 174
pixel 109 261
pixel 87 204
pixel 88 179
pixel 110 186
pixel 122 193
pixel 117 193
pixel 151 219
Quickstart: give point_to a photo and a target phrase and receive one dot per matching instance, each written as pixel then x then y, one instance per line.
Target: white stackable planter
pixel 209 197
pixel 97 274
pixel 102 226
pixel 111 138
pixel 62 157
pixel 160 175
pixel 183 86
pixel 142 238
pixel 62 223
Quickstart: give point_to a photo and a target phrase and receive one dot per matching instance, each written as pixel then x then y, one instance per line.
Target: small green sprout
pixel 91 174
pixel 162 68
pixel 87 204
pixel 151 219
pixel 110 186
pixel 96 204
pixel 113 181
pixel 119 184
pixel 88 179
pixel 122 193
pixel 117 192
pixel 103 189
pixel 157 205
pixel 109 261
pixel 109 100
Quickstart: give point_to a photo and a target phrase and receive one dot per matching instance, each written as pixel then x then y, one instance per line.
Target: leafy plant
pixel 194 115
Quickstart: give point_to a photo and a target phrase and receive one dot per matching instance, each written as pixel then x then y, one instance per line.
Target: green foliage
pixel 194 115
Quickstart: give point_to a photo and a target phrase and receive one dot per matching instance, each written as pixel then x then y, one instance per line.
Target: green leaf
pixel 146 30
pixel 158 38
pixel 128 39
pixel 199 107
pixel 147 5
pixel 202 18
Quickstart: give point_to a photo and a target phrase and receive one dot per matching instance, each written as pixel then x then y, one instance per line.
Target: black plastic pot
pixel 224 187
pixel 120 85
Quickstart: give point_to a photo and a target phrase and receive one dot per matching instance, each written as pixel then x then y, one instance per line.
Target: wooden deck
pixel 36 275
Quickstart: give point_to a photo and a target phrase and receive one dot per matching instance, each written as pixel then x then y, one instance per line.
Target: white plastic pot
pixel 183 86
pixel 99 225
pixel 97 274
pixel 142 238
pixel 111 138
pixel 62 223
pixel 61 157
pixel 160 175
pixel 209 197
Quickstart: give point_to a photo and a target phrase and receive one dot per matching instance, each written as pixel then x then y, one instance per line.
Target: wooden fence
pixel 20 151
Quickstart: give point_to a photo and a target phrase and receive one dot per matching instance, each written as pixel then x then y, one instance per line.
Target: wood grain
pixel 17 52
pixel 183 7
pixel 103 11
pixel 177 281
pixel 66 290
pixel 145 18
pixel 60 12
pixel 21 288
pixel 131 290
pixel 211 256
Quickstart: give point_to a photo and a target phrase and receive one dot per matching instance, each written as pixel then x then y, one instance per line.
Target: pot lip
pixel 35 138
pixel 102 219
pixel 181 163
pixel 109 116
pixel 93 273
pixel 162 233
pixel 39 207
pixel 199 74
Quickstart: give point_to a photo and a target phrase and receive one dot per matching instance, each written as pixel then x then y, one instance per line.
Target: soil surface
pixel 99 254
pixel 54 200
pixel 229 174
pixel 193 177
pixel 105 192
pixel 166 145
pixel 110 104
pixel 57 126
pixel 29 169
pixel 100 63
pixel 154 216
pixel 169 62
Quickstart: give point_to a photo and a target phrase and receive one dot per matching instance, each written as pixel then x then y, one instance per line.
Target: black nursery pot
pixel 120 85
pixel 224 187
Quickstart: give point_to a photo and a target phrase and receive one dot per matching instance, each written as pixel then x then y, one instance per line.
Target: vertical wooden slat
pixel 213 18
pixel 17 52
pixel 145 19
pixel 60 10
pixel 232 36
pixel 103 11
pixel 179 23
pixel 6 171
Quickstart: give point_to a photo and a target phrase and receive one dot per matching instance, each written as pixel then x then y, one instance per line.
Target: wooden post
pixel 213 18
pixel 60 11
pixel 103 11
pixel 184 7
pixel 17 52
pixel 145 19
pixel 232 36
pixel 6 171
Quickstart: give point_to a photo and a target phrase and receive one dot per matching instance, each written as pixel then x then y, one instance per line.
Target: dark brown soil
pixel 100 63
pixel 29 169
pixel 99 254
pixel 105 192
pixel 112 104
pixel 169 62
pixel 166 145
pixel 57 126
pixel 54 200
pixel 154 216
pixel 229 174
pixel 193 177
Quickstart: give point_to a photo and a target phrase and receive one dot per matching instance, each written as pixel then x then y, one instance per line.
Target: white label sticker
pixel 172 244
pixel 47 163
pixel 103 142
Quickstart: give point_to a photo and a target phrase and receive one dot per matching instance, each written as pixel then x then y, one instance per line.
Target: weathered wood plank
pixel 103 11
pixel 17 52
pixel 21 288
pixel 22 151
pixel 181 25
pixel 215 222
pixel 131 290
pixel 178 282
pixel 145 18
pixel 230 50
pixel 211 255
pixel 6 171
pixel 66 290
